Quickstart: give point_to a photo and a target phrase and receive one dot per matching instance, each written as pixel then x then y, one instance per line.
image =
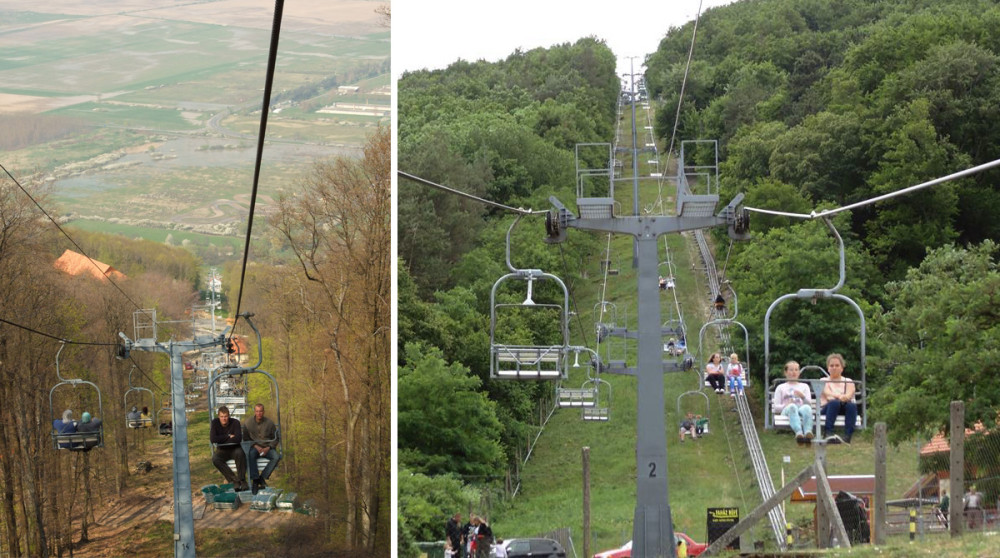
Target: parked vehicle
pixel 693 548
pixel 534 548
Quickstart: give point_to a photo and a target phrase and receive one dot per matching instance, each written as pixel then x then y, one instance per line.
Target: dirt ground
pixel 149 498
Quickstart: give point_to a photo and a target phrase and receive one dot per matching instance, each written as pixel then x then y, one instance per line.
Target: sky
pixel 431 34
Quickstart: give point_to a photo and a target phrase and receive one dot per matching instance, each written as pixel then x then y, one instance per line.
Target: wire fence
pixel 958 489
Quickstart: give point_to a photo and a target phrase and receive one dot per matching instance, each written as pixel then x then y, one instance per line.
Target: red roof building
pixel 77 264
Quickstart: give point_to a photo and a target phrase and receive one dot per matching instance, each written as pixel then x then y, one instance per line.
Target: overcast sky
pixel 432 34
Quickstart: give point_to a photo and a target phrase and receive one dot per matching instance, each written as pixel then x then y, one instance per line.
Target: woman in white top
pixel 714 374
pixel 793 399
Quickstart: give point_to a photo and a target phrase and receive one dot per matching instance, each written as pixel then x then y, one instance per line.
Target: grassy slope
pixel 711 472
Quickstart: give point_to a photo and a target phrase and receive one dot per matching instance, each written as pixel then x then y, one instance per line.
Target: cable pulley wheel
pixel 552 225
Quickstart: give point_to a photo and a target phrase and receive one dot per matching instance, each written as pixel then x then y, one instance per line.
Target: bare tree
pixel 339 231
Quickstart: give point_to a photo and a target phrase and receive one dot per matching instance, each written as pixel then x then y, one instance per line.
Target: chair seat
pixel 261 463
pixel 782 421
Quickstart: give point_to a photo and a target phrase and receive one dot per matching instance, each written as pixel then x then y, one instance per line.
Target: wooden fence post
pixel 956 484
pixel 881 477
pixel 586 501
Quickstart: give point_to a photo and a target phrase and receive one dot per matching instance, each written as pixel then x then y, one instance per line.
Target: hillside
pixel 151 125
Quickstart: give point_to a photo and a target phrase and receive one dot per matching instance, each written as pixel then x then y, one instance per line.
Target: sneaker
pixel 834 439
pixel 800 439
pixel 809 437
pixel 732 394
pixel 741 393
pixel 847 439
pixel 255 487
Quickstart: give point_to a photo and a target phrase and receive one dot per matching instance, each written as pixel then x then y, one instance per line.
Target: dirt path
pixel 149 498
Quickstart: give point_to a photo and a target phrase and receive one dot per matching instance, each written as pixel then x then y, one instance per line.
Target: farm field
pixel 155 112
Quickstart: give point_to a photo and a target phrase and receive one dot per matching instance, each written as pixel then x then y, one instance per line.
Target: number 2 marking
pixel 652 469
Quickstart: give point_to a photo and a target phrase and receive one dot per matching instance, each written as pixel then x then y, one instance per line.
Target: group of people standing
pixel 472 540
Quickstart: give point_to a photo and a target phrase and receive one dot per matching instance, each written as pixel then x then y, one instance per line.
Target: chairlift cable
pixel 61 339
pixel 680 102
pixel 827 212
pixel 576 308
pixel 425 182
pixel 722 276
pixel 272 56
pixel 63 231
pixel 143 372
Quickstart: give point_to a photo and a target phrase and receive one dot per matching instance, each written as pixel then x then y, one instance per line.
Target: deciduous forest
pixel 324 315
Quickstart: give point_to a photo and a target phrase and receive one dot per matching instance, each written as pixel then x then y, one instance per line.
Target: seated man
pixel 688 427
pixel 226 434
pixel 263 434
pixel 65 425
pixel 133 418
pixel 147 421
pixel 88 425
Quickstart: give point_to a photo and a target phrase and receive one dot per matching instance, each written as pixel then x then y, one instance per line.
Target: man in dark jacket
pixel 226 434
pixel 453 532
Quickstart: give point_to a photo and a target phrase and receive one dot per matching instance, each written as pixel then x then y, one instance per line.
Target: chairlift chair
pixel 165 428
pixel 601 410
pixel 141 422
pixel 585 395
pixel 242 373
pixel 725 351
pixel 776 421
pixel 813 295
pixel 705 417
pixel 606 316
pixel 75 441
pixel 529 362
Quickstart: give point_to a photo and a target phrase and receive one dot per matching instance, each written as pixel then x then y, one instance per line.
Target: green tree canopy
pixel 445 424
pixel 942 340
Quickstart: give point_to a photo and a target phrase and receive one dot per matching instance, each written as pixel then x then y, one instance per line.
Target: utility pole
pixel 183 507
pixel 652 528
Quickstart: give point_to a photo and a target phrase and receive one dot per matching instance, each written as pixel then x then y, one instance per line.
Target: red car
pixel 693 548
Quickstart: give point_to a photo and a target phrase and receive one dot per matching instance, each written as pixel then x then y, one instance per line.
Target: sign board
pixel 721 520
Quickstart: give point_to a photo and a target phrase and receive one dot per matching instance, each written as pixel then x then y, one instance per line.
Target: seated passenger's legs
pixel 850 418
pixel 272 462
pixel 717 381
pixel 222 455
pixel 794 421
pixel 830 412
pixel 806 414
